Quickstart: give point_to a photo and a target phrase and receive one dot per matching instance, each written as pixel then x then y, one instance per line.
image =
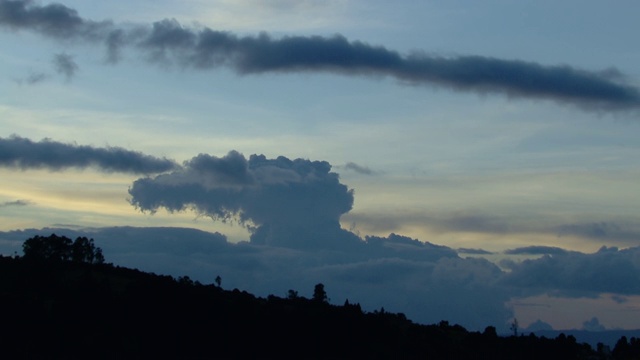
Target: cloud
pixel 168 42
pixel 619 299
pixel 282 202
pixel 358 168
pixel 609 270
pixel 593 325
pixel 602 230
pixel 65 65
pixel 292 208
pixel 53 20
pixel 617 230
pixel 33 78
pixel 15 203
pixel 23 153
pixel 473 251
pixel 538 325
pixel 536 250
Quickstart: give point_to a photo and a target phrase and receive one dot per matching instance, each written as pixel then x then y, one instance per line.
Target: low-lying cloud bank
pixel 427 282
pixel 168 42
pixel 610 270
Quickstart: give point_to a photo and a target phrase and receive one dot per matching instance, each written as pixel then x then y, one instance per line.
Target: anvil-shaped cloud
pixel 283 202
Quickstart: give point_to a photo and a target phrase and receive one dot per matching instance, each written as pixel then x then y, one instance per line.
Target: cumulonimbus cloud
pixel 167 41
pixel 283 202
pixel 23 153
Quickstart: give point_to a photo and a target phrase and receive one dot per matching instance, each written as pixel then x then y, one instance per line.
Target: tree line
pixel 66 304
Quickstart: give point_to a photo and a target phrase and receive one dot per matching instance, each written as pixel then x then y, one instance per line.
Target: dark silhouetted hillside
pixel 71 309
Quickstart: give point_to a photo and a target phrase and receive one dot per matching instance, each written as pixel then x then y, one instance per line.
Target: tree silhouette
pixel 61 248
pixel 292 294
pixel 319 294
pixel 53 247
pixel 514 327
pixel 83 250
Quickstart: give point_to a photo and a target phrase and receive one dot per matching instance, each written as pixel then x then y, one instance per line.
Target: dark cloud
pixel 621 231
pixel 406 248
pixel 458 221
pixel 595 230
pixel 18 152
pixel 358 168
pixel 65 65
pixel 53 20
pixel 15 203
pixel 472 223
pixel 536 250
pixel 282 202
pixel 609 270
pixel 169 42
pixel 619 299
pixel 473 251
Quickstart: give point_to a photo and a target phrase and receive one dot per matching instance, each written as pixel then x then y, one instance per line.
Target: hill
pixel 66 309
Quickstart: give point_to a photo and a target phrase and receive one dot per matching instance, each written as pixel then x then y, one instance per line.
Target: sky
pixel 459 161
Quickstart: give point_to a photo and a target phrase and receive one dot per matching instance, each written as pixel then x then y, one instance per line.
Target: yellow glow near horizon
pixel 91 199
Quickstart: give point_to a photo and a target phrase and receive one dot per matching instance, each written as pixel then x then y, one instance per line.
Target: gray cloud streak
pixel 167 41
pixel 15 203
pixel 358 168
pixel 536 250
pixel 33 78
pixel 65 65
pixel 18 152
